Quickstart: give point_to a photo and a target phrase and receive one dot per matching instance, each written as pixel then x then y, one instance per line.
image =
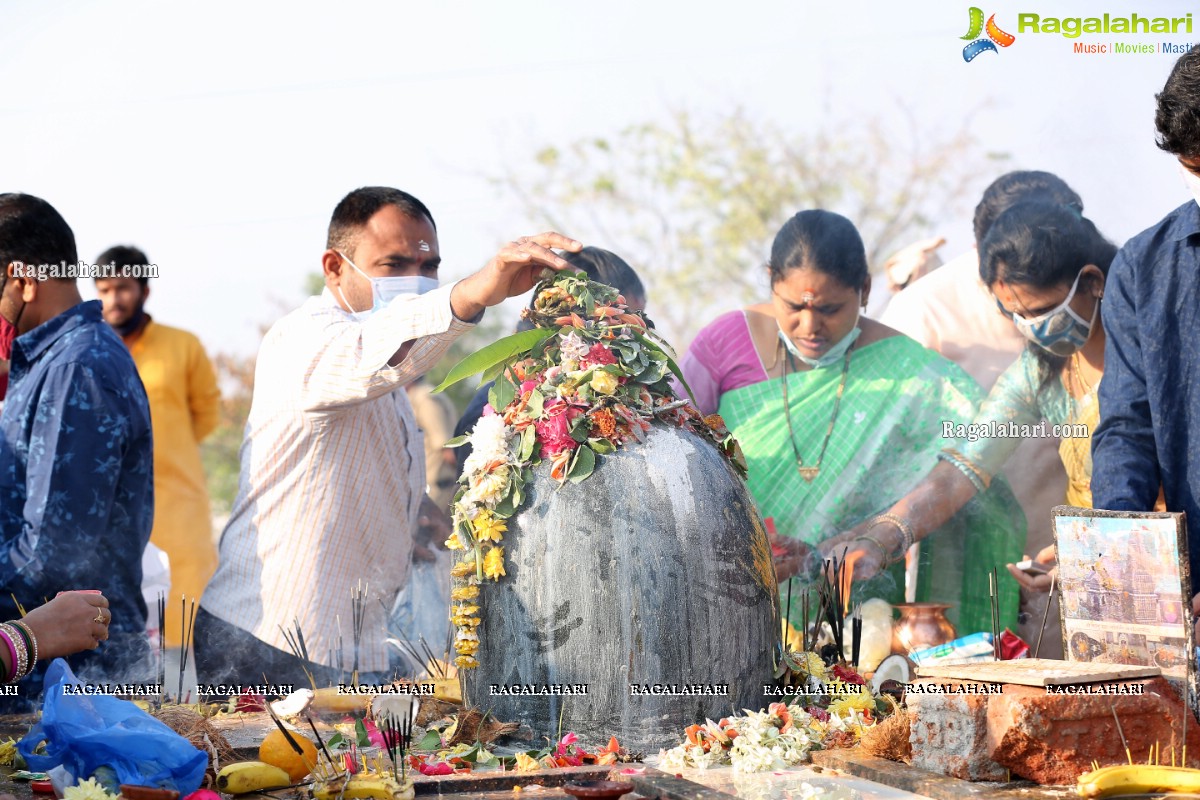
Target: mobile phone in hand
pixel 1031 567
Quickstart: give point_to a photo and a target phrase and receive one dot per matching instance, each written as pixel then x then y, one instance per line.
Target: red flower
pixel 819 713
pixel 250 702
pixel 847 675
pixel 598 356
pixel 554 434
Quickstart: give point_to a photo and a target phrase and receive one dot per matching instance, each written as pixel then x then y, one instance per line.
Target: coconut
pixel 201 734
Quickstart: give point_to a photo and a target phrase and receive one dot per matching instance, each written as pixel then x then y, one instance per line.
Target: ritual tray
pixel 1038 672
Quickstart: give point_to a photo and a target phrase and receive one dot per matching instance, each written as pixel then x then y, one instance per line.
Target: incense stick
pixel 1045 615
pixel 189 623
pixel 857 627
pixel 787 615
pixel 321 742
pixel 162 648
pixel 357 602
pixel 995 618
pixel 291 740
pixel 1120 732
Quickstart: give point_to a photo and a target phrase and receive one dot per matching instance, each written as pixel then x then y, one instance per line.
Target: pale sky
pixel 218 136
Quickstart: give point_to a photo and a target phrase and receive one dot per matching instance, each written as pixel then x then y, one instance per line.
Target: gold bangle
pixel 887 559
pixel 907 539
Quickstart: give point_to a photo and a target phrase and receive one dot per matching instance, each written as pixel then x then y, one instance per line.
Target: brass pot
pixel 921 625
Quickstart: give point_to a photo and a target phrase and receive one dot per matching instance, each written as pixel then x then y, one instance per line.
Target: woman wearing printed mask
pixel 840 416
pixel 1046 266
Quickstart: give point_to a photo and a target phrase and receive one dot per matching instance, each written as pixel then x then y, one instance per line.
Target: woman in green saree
pixel 840 416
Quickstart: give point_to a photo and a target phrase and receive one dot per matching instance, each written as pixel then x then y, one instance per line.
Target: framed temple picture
pixel 1125 590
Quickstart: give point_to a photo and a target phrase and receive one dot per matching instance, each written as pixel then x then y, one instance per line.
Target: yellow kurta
pixel 184 405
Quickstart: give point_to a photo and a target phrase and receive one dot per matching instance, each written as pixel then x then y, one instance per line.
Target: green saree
pixel 886 438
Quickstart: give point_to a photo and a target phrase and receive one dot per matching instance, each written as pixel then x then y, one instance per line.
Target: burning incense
pixel 856 633
pixel 804 622
pixel 787 615
pixel 358 596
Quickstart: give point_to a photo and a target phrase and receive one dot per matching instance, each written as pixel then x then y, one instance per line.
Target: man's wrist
pixel 463 306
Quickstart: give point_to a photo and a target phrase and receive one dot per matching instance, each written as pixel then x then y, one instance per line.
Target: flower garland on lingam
pixel 589 378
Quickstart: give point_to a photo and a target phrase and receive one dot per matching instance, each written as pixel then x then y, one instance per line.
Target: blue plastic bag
pixel 83 732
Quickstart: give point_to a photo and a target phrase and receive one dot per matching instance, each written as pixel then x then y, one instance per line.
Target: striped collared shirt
pixel 332 475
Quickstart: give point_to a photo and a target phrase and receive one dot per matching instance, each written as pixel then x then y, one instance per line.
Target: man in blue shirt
pixel 1150 395
pixel 76 480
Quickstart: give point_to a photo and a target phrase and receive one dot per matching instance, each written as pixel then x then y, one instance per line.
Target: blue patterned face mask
pixel 384 290
pixel 1059 331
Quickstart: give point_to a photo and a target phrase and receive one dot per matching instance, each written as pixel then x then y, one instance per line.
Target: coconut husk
pixel 201 734
pixel 889 739
pixel 474 727
pixel 431 710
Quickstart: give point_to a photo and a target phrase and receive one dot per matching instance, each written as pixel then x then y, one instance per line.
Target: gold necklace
pixel 1087 387
pixel 810 473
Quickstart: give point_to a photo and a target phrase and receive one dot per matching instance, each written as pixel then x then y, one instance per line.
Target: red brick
pixel 949 734
pixel 1053 738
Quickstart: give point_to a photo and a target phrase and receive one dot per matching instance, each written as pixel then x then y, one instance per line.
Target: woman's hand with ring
pixel 70 623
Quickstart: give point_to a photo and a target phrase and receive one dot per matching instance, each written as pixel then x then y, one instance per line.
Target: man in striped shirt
pixel 332 466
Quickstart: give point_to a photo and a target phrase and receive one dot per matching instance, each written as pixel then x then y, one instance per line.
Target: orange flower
pixel 560 464
pixel 780 710
pixel 605 422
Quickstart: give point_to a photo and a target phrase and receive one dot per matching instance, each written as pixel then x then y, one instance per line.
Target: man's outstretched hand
pixel 514 270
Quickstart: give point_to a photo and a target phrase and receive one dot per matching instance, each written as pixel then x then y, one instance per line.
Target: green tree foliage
pixel 693 205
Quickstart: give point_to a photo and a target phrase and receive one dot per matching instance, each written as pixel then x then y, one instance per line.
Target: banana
pixel 447 689
pixel 329 700
pixel 1126 779
pixel 251 776
pixel 367 786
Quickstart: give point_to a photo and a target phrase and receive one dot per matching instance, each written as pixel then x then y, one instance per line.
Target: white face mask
pixel 1192 181
pixel 833 355
pixel 385 290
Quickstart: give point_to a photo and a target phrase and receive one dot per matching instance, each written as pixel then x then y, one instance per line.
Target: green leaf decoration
pixel 501 394
pixel 495 353
pixel 336 742
pixel 536 402
pixel 492 373
pixel 528 440
pixel 458 441
pixel 583 465
pixel 432 740
pixel 675 370
pixel 360 732
pixel 602 447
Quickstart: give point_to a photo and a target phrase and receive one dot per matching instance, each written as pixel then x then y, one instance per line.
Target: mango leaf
pixel 536 403
pixel 675 370
pixel 508 506
pixel 432 740
pixel 360 732
pixel 602 447
pixel 583 465
pixel 335 742
pixel 495 353
pixel 501 394
pixel 458 441
pixel 492 373
pixel 528 440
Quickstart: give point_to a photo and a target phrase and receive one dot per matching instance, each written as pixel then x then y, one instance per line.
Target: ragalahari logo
pixel 994 37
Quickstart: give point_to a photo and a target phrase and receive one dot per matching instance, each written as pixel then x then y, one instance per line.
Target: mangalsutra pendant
pixel 808 473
